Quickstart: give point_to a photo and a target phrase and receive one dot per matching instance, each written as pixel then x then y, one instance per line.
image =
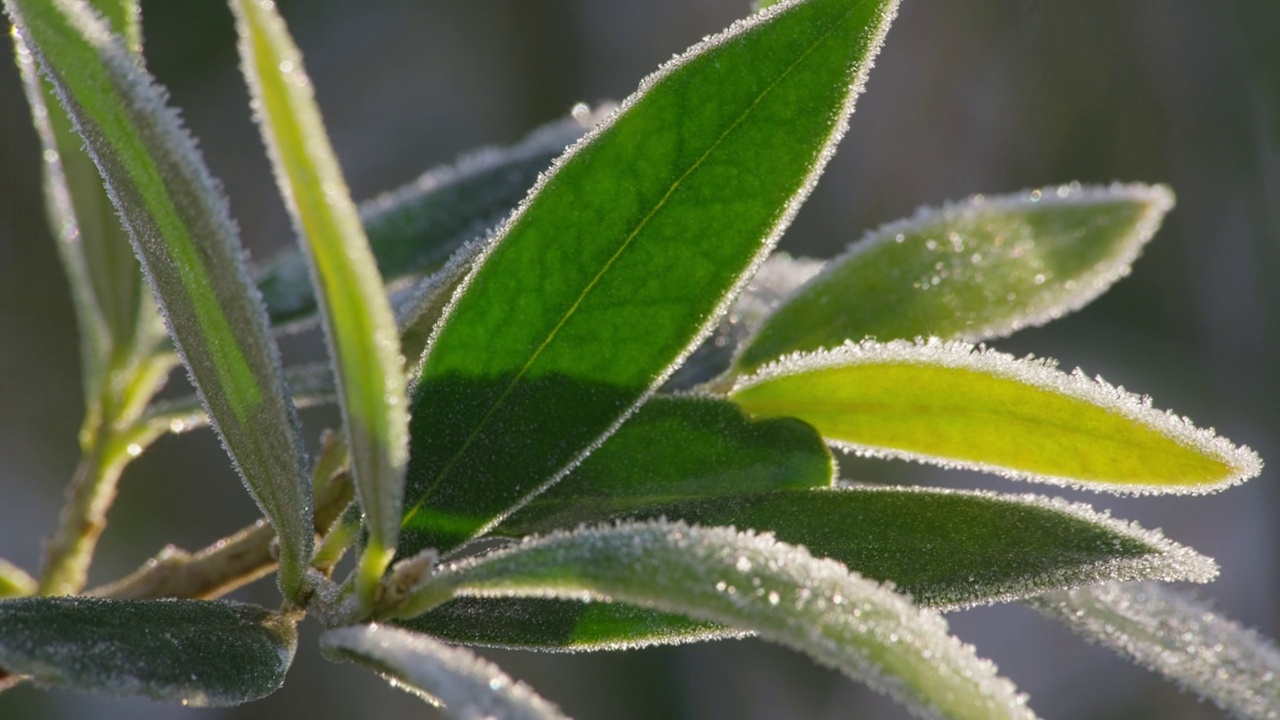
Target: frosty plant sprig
pixel 612 420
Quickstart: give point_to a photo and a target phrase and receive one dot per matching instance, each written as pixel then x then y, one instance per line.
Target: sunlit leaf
pixel 361 332
pixel 954 405
pixel 675 448
pixel 469 687
pixel 180 227
pixel 624 256
pixel 755 583
pixel 1178 637
pixel 970 271
pixel 189 651
pixel 415 228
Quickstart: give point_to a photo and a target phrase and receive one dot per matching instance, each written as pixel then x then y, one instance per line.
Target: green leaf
pixel 946 549
pixel 468 686
pixel 181 229
pixel 1178 637
pixel 421 307
pixel 674 448
pixel 957 406
pixel 415 228
pixel 195 652
pixel 361 332
pixel 970 271
pixel 550 625
pixel 754 583
pixel 623 258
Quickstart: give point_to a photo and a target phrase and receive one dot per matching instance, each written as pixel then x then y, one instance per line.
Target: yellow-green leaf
pixel 955 405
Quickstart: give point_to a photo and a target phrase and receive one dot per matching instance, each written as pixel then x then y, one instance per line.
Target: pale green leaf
pixel 361 332
pixel 195 652
pixel 971 271
pixel 755 583
pixel 468 686
pixel 957 406
pixel 180 227
pixel 1178 637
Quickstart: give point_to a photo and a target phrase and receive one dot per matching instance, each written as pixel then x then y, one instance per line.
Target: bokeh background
pixel 980 96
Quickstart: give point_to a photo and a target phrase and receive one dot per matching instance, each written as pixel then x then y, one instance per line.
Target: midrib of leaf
pixel 609 264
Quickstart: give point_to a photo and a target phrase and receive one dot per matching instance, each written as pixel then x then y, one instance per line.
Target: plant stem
pixel 84 517
pixel 227 564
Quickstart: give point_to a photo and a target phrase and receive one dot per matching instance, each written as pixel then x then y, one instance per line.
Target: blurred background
pixel 982 96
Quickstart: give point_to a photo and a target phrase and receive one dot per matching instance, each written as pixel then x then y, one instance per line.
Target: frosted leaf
pixel 957 405
pixel 468 686
pixel 973 270
pixel 752 582
pixel 181 229
pixel 1178 637
pixel 419 307
pixel 196 652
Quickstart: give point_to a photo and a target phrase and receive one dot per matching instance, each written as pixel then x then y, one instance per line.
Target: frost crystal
pixel 1178 637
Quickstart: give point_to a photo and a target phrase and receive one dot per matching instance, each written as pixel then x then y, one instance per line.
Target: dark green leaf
pixel 190 651
pixel 755 583
pixel 675 448
pixel 970 271
pixel 551 625
pixel 180 227
pixel 623 258
pixel 415 228
pixel 946 549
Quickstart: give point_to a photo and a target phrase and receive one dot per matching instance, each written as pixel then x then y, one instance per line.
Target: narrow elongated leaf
pixel 551 625
pixel 970 271
pixel 180 227
pixel 754 583
pixel 623 258
pixel 415 228
pixel 946 549
pixel 1178 637
pixel 674 448
pixel 191 651
pixel 954 405
pixel 361 332
pixel 469 687
pixel 422 305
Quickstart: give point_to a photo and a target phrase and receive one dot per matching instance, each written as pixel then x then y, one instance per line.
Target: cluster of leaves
pixel 606 424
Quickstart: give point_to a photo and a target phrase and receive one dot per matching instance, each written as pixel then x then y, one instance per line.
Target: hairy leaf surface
pixel 969 271
pixel 755 583
pixel 179 224
pixel 1179 637
pixel 361 332
pixel 195 652
pixel 952 404
pixel 623 257
pixel 469 687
